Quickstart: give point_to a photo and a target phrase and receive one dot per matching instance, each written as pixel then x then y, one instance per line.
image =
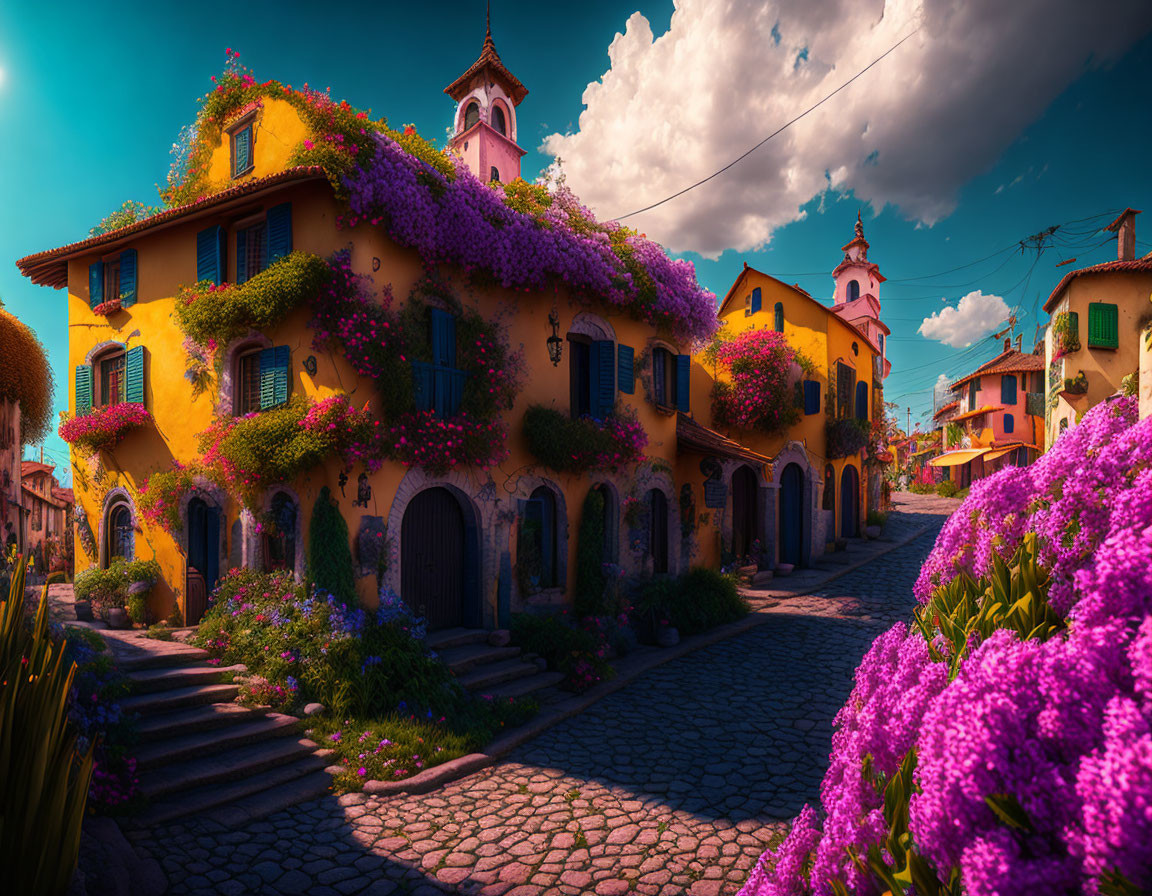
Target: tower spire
pixel 859 226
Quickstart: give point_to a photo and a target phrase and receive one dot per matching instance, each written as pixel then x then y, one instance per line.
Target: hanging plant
pixel 1077 385
pixel 762 369
pixel 106 309
pixel 102 428
pixel 846 437
pixel 1065 334
pixel 575 446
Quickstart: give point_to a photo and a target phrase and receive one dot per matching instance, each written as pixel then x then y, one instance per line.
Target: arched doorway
pixel 849 502
pixel 791 514
pixel 203 557
pixel 745 519
pixel 439 560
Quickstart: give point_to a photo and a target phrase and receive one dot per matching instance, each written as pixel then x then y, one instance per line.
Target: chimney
pixel 1125 229
pixel 1007 343
pixel 1019 341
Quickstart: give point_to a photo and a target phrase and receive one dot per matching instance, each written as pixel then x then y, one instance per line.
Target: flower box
pixel 101 428
pixel 1075 386
pixel 106 309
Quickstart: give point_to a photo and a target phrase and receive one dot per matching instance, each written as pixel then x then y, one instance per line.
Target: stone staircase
pixel 199 752
pixel 491 670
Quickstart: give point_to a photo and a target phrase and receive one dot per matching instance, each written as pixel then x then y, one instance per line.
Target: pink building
pixel 857 294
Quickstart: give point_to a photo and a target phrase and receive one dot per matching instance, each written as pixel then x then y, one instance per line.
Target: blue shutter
pixel 627 369
pixel 811 397
pixel 1009 423
pixel 861 401
pixel 1008 390
pixel 455 392
pixel 127 277
pixel 422 385
pixel 683 381
pixel 279 231
pixel 95 283
pixel 274 376
pixel 778 322
pixel 603 378
pixel 658 360
pixel 83 389
pixel 443 337
pixel 756 300
pixel 241 256
pixel 134 375
pixel 210 254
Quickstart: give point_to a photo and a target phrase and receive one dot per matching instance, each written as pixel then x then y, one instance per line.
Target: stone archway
pixel 440 558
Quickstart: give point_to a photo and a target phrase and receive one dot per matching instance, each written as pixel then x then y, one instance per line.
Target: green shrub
pixel 947 489
pixel 580 651
pixel 846 436
pixel 573 446
pixel 43 783
pixel 108 588
pixel 695 602
pixel 329 555
pixel 922 488
pixel 876 518
pixel 590 580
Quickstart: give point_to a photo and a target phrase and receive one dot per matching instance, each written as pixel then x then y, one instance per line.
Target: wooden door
pixel 432 566
pixel 791 514
pixel 203 547
pixel 849 502
pixel 745 528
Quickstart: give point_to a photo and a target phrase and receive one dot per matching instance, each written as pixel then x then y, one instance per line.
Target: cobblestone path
pixel 674 784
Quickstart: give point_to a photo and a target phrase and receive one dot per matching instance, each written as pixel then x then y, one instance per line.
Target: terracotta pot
pixel 118 618
pixel 667 636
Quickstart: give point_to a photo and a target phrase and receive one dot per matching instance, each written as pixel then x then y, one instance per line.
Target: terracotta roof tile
pixel 1010 361
pixel 694 437
pixel 1135 266
pixel 488 58
pixel 50 268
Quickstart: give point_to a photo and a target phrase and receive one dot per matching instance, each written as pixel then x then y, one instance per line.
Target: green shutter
pixel 279 231
pixel 134 375
pixel 127 278
pixel 242 151
pixel 1103 325
pixel 83 389
pixel 626 371
pixel 95 283
pixel 274 363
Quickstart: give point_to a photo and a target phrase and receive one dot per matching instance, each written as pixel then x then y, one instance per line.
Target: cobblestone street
pixel 673 784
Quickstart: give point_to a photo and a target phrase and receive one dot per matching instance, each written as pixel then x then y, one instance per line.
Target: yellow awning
pixel 999 452
pixel 956 458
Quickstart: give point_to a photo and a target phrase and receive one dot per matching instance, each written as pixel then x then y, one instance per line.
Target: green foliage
pixel 129 213
pixel 568 648
pixel 846 436
pixel 922 488
pixel 215 315
pixel 43 782
pixel 947 489
pixel 329 554
pixel 28 383
pixel 1130 385
pixel 695 602
pixel 876 518
pixel 1066 333
pixel 966 611
pixel 575 446
pixel 108 588
pixel 953 433
pixel 591 582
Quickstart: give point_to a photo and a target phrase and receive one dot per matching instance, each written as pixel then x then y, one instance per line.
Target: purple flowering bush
pixel 1003 745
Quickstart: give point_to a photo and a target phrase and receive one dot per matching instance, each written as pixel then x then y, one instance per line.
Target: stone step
pixel 468 656
pixel 497 673
pixel 275 799
pixel 180 722
pixel 205 743
pixel 132 658
pixel 228 765
pixel 290 777
pixel 455 637
pixel 522 687
pixel 169 678
pixel 163 701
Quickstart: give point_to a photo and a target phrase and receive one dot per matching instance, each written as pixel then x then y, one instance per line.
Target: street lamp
pixel 555 343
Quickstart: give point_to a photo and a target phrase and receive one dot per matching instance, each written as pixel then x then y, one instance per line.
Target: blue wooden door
pixel 203 553
pixel 849 502
pixel 791 514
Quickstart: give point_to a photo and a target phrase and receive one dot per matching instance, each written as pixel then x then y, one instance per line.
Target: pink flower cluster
pixel 760 393
pixel 103 427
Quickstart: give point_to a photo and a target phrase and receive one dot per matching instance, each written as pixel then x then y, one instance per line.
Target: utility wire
pixel 775 133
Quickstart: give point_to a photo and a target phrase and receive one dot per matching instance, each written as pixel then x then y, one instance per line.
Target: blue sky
pixel 91 101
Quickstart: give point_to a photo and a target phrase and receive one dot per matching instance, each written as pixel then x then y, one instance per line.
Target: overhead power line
pixel 775 133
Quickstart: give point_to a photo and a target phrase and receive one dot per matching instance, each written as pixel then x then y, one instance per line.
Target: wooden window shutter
pixel 757 300
pixel 1103 325
pixel 861 401
pixel 241 256
pixel 134 375
pixel 659 357
pixel 1009 423
pixel 627 369
pixel 779 317
pixel 603 378
pixel 83 389
pixel 443 326
pixel 422 385
pixel 279 231
pixel 683 382
pixel 95 283
pixel 274 376
pixel 127 278
pixel 242 151
pixel 210 255
pixel 811 397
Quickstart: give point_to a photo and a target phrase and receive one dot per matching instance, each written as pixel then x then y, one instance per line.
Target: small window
pixel 251 251
pixel 1103 325
pixel 280 535
pixel 499 125
pixel 471 115
pixel 881 345
pixel 973 388
pixel 536 555
pixel 1009 423
pixel 855 348
pixel 111 379
pixel 1008 390
pixel 853 290
pixel 494 174
pixel 242 150
pixel 811 397
pixel 112 279
pixel 861 400
pixel 779 317
pixel 119 532
pixel 663 378
pixel 247 381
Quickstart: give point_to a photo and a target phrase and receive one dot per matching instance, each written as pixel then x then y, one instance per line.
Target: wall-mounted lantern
pixel 555 343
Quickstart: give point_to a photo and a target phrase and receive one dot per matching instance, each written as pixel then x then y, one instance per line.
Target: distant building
pixel 47 514
pixel 1093 340
pixel 11 493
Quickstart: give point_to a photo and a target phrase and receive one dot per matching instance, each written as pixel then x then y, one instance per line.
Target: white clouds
pixel 939 110
pixel 974 315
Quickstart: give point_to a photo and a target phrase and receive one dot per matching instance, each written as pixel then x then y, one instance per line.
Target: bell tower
pixel 856 297
pixel 486 96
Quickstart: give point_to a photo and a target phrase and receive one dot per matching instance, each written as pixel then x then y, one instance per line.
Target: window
pixel 973 388
pixel 112 280
pixel 498 123
pixel 536 553
pixel 856 348
pixel 280 535
pixel 881 345
pixel 1103 325
pixel 251 251
pixel 663 378
pixel 592 376
pixel 1009 423
pixel 853 290
pixel 861 401
pixel 119 532
pixel 658 530
pixel 112 369
pixel 755 301
pixel 845 382
pixel 1008 390
pixel 778 322
pixel 37 516
pixel 242 150
pixel 471 115
pixel 247 390
pixel 829 488
pixel 811 397
pixel 494 174
pixel 580 376
pixel 439 386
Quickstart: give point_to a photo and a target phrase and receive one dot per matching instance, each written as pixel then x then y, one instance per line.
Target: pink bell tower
pixel 857 294
pixel 486 96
